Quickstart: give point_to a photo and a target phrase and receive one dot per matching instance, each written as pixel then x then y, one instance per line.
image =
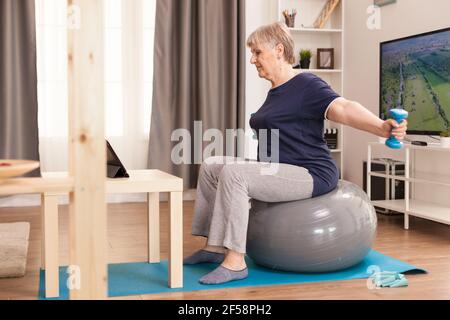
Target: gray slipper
pixel 223 275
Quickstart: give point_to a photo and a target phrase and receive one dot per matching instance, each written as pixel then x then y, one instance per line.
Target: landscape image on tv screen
pixel 415 76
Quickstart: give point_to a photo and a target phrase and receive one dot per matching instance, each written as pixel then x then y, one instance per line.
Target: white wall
pixel 404 18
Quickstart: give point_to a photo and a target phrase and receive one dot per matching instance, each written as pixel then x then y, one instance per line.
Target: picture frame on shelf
pixel 325 58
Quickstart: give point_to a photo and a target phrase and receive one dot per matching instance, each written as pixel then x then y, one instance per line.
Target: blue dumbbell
pixel 398 115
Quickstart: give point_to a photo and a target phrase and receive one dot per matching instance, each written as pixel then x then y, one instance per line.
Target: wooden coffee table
pixel 152 182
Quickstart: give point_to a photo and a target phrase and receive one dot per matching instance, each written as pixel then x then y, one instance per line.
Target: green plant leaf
pixel 305 54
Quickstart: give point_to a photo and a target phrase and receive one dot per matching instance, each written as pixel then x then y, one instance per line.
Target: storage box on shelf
pixel 410 205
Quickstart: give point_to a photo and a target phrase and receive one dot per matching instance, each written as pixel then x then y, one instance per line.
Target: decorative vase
pixel 304 64
pixel 445 142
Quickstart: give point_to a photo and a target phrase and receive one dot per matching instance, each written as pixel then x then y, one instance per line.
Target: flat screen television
pixel 415 76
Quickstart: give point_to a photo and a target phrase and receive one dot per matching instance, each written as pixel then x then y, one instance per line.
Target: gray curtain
pixel 199 75
pixel 18 81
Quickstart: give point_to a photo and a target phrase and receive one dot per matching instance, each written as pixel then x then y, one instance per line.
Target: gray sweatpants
pixel 223 192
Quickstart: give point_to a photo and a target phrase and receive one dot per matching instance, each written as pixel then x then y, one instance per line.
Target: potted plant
pixel 305 58
pixel 445 139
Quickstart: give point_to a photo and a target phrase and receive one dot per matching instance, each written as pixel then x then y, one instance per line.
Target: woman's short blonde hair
pixel 274 34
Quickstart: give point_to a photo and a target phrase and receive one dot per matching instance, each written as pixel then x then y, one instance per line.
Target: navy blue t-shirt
pixel 297 109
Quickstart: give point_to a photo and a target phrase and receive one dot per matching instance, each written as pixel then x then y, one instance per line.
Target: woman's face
pixel 266 59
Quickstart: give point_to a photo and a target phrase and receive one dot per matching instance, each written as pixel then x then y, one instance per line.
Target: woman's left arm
pixel 353 114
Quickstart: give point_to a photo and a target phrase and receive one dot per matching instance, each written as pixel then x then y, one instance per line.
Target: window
pixel 51 38
pixel 113 68
pixel 129 36
pixel 149 13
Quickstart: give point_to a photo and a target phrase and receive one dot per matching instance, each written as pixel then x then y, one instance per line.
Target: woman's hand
pixel 392 128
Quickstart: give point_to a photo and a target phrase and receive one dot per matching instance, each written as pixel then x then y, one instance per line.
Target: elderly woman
pixel 296 105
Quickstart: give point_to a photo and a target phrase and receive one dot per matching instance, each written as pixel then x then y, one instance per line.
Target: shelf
pixel 417 208
pixel 419 177
pixel 430 147
pixel 335 150
pixel 35 185
pixel 314 30
pixel 321 70
pixel 140 181
pixel 425 177
pixel 383 175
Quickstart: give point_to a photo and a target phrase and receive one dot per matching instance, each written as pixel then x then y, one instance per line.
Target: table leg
pixel 176 240
pixel 153 228
pixel 51 262
pixel 406 221
pixel 42 232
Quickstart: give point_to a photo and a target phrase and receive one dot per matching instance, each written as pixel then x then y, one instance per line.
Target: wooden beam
pixel 36 185
pixel 326 13
pixel 154 247
pixel 87 152
pixel 176 240
pixel 50 239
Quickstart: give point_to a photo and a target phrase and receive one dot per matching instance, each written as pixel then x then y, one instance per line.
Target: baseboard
pixel 35 200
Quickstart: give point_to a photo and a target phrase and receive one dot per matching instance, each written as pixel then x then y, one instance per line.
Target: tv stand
pixel 410 206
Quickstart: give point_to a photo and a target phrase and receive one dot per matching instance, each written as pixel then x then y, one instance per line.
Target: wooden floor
pixel 426 245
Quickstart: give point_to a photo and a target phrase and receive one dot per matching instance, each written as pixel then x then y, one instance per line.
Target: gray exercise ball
pixel 324 234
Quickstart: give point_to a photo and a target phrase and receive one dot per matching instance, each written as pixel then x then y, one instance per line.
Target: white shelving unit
pixel 409 205
pixel 331 36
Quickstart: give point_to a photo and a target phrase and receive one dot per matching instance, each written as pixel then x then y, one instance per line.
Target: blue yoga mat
pixel 129 279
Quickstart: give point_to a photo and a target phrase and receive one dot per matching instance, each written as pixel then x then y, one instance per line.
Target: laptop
pixel 115 168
